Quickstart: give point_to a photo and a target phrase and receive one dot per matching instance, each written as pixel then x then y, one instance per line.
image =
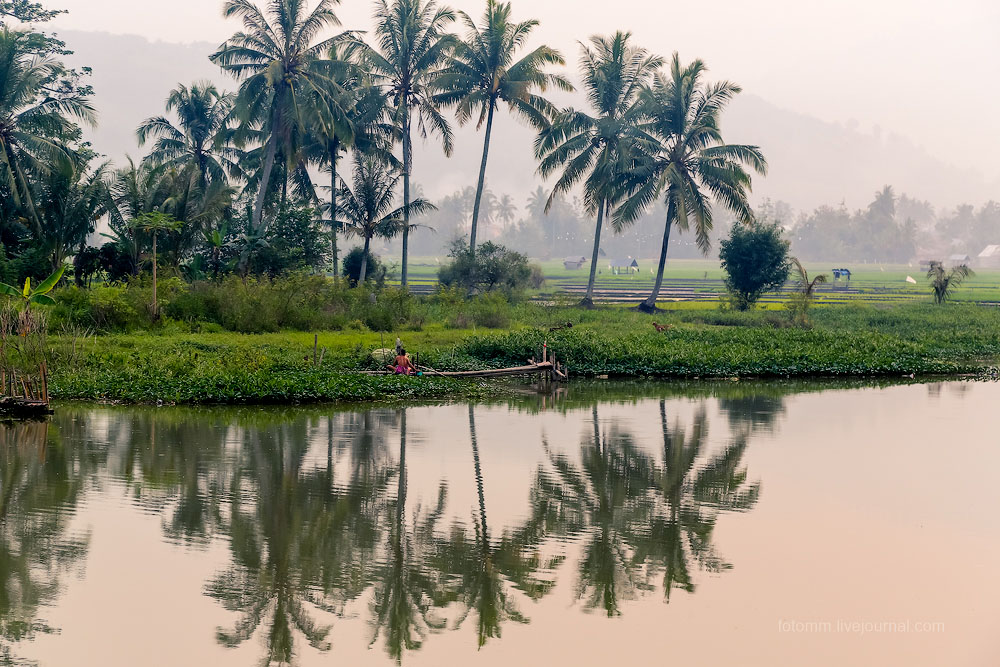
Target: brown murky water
pixel 690 524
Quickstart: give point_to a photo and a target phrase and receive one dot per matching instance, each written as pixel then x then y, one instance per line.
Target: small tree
pixel 491 267
pixel 943 281
pixel 155 223
pixel 755 259
pixel 803 298
pixel 375 270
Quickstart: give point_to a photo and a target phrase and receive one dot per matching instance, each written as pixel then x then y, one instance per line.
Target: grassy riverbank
pixel 844 341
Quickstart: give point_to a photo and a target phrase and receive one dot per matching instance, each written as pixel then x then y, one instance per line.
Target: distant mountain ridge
pixel 812 162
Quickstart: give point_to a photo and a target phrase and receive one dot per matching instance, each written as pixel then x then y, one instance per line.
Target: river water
pixel 696 524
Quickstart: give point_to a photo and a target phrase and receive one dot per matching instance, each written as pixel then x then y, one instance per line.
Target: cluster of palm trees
pixel 305 101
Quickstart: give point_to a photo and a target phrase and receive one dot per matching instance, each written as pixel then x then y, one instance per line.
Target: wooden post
pixel 315 347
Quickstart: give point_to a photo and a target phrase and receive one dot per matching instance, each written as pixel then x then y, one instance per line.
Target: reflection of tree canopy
pixel 753 410
pixel 311 534
pixel 172 464
pixel 296 540
pixel 641 517
pixel 41 481
pixel 407 589
pixel 483 566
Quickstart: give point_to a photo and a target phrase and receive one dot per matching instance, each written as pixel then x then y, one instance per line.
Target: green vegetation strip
pixel 843 341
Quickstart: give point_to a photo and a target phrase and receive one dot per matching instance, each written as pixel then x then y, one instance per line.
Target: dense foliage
pixel 491 267
pixel 755 259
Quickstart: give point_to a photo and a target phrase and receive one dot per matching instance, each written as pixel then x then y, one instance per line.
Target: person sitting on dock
pixel 403 365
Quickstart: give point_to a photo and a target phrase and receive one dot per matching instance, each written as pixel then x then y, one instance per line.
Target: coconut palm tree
pixel 591 146
pixel 71 202
pixel 202 138
pixel 412 49
pixel 506 210
pixel 690 163
pixel 372 131
pixel 285 79
pixel 368 206
pixel 485 71
pixel 36 118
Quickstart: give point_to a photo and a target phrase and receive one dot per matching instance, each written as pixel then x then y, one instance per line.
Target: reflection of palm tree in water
pixel 644 518
pixel 691 500
pixel 485 565
pixel 405 589
pixel 295 544
pixel 41 483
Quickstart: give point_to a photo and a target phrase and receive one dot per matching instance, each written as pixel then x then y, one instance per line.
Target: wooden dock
pixel 22 407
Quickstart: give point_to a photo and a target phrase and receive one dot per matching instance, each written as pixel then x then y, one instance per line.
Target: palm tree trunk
pixel 333 208
pixel 588 301
pixel 156 305
pixel 479 474
pixel 482 181
pixel 364 262
pixel 649 305
pixel 265 179
pixel 407 166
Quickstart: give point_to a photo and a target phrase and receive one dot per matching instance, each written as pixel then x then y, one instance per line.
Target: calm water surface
pixel 687 524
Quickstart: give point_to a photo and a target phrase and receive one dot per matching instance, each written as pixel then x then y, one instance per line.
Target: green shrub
pixel 375 272
pixel 493 267
pixel 755 259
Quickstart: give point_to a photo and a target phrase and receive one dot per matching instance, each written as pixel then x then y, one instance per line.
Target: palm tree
pixel 590 147
pixel 71 201
pixel 802 299
pixel 506 210
pixel 201 141
pixel 690 162
pixel 413 48
pixel 155 223
pixel 484 72
pixel 369 206
pixel 944 281
pixel 35 118
pixel 285 80
pixel 371 130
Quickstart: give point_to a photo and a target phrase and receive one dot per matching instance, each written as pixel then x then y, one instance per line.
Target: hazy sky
pixel 909 66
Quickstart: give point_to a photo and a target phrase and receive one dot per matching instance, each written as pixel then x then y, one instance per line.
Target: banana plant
pixel 38 295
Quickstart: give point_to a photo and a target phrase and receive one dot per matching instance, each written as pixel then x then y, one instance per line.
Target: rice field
pixel 701 282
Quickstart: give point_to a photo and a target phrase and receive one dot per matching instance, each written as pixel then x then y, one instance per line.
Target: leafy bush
pixel 493 267
pixel 755 259
pixel 118 265
pixel 295 242
pixel 375 272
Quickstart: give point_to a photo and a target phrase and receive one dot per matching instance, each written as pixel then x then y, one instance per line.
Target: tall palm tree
pixel 369 206
pixel 371 129
pixel 285 78
pixel 412 49
pixel 202 138
pixel 506 210
pixel 484 72
pixel 590 147
pixel 690 163
pixel 71 202
pixel 36 118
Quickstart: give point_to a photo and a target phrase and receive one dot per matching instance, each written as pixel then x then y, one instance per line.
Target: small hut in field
pixel 619 266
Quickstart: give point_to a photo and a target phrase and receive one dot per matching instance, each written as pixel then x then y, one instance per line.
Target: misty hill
pixel 812 162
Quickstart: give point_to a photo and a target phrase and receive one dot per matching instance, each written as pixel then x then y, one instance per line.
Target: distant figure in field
pixel 660 328
pixel 403 365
